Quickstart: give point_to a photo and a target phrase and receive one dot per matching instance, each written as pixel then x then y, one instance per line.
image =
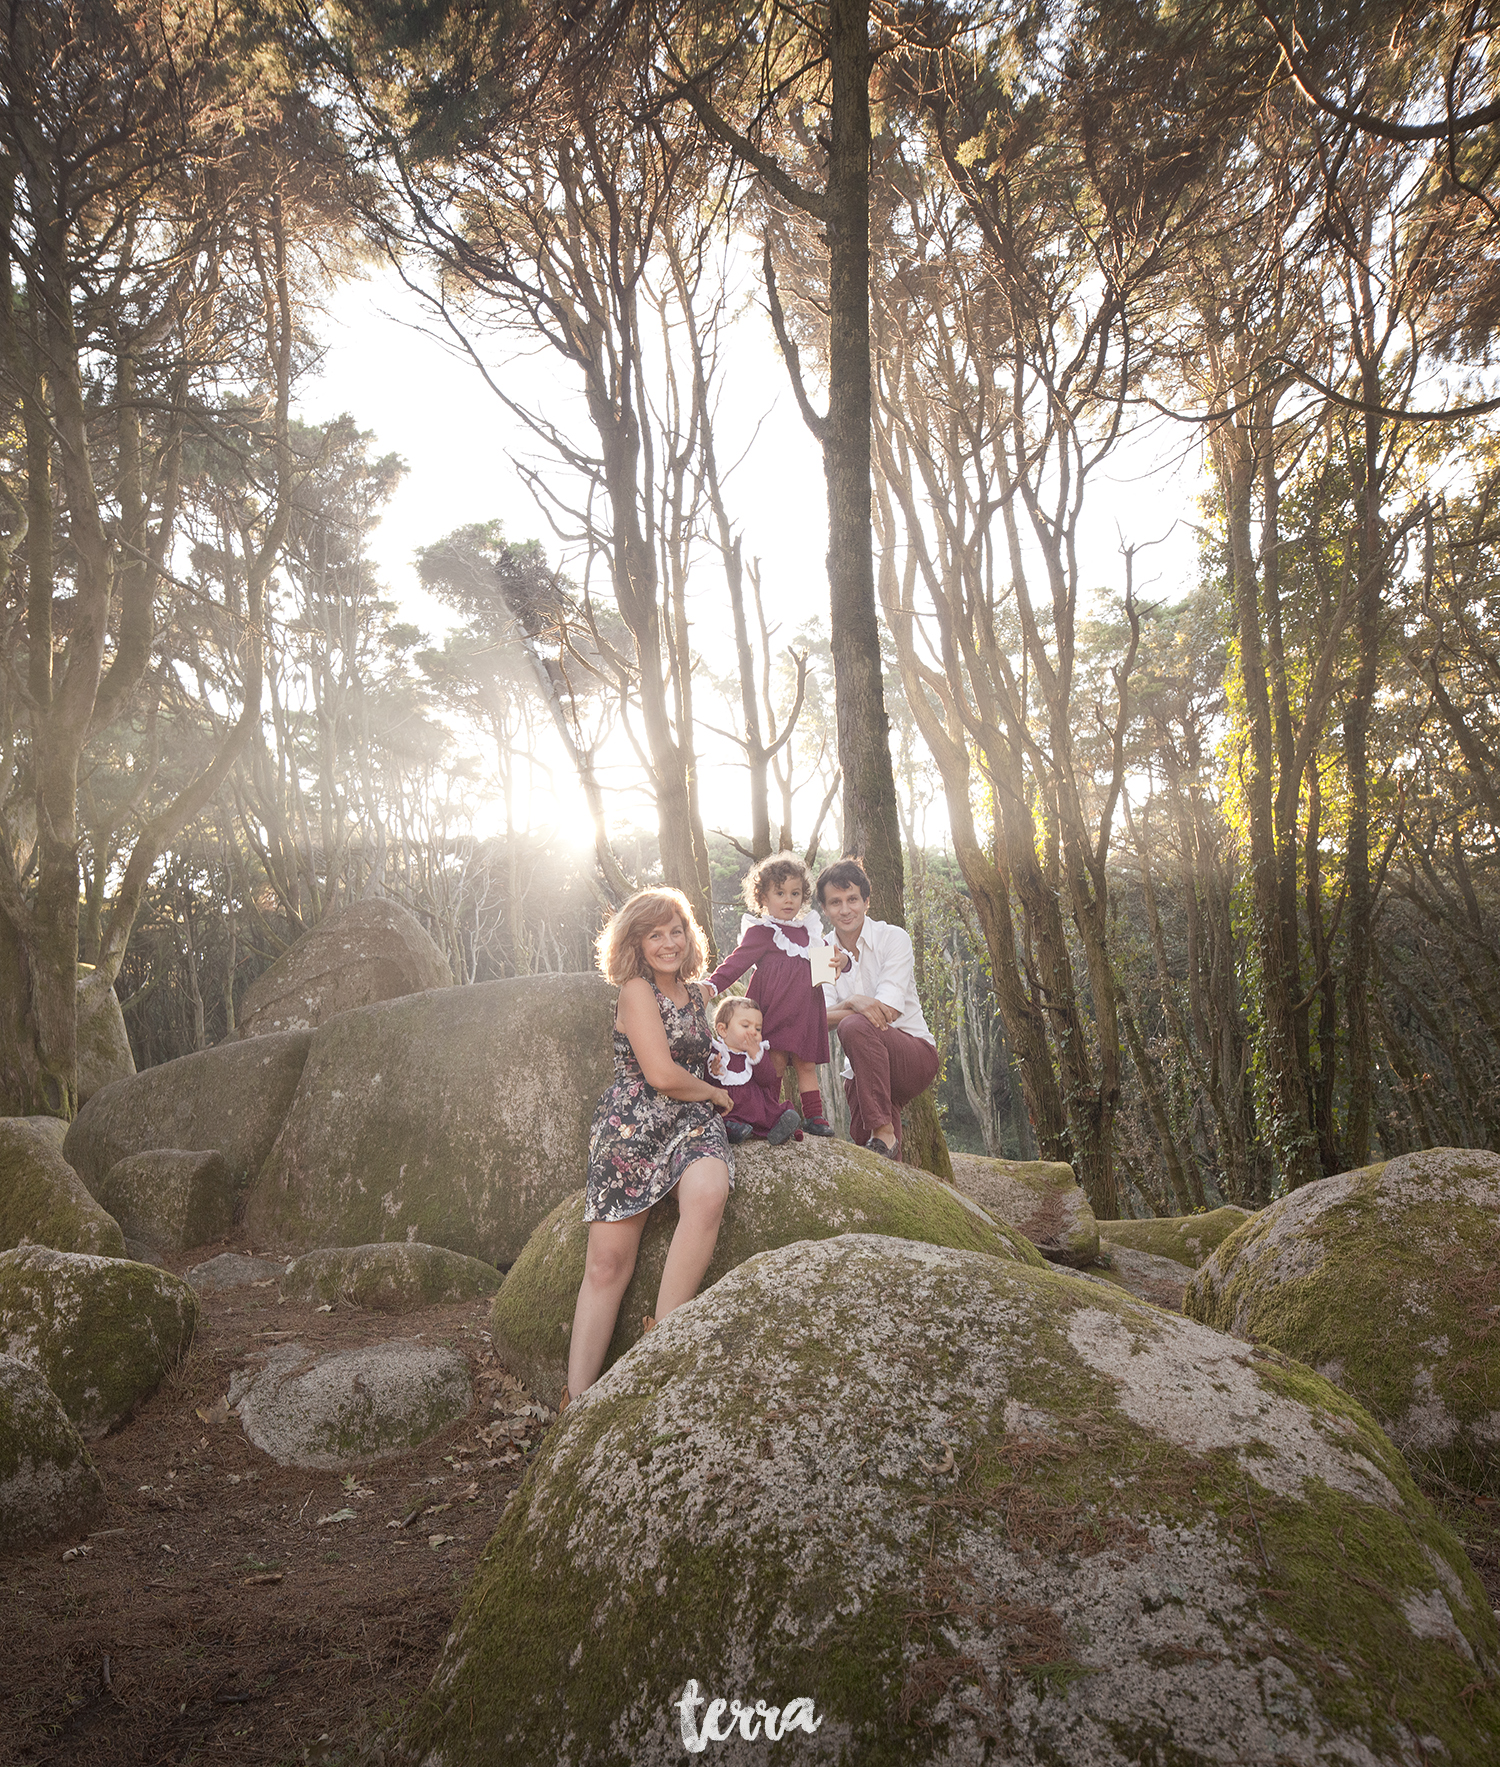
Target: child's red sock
pixel 812 1104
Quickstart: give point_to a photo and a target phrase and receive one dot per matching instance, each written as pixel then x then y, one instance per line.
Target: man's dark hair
pixel 840 875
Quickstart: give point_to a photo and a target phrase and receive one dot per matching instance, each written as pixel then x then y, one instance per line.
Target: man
pixel 890 1055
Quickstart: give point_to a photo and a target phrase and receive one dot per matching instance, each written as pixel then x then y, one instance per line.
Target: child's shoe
pixel 818 1126
pixel 738 1132
pixel 787 1125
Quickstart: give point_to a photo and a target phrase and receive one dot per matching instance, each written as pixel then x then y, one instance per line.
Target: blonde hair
pixel 618 951
pixel 730 1005
pixel 780 868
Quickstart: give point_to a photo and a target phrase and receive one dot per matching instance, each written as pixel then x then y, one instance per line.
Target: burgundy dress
pixel 755 1086
pixel 794 1018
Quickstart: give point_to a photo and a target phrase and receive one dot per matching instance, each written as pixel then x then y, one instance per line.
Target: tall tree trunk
pixel 871 822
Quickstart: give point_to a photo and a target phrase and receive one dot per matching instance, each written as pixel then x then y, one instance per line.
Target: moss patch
pixel 48 1483
pixel 809 1192
pixel 389 1278
pixel 1388 1280
pixel 102 1332
pixel 43 1201
pixel 1186 1239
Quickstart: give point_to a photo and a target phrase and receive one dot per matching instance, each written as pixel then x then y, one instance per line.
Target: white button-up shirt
pixel 882 968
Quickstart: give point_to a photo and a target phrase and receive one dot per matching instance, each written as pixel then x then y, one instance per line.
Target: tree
pixel 167 193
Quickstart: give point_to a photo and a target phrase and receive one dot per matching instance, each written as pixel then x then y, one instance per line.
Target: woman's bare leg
pixel 608 1267
pixel 702 1192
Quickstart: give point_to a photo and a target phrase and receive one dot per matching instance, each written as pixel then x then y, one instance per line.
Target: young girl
pixel 739 1065
pixel 776 937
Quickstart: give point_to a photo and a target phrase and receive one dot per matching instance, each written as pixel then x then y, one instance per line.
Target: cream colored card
pixel 821 959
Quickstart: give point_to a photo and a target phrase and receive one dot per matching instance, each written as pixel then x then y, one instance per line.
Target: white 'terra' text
pixel 724 1717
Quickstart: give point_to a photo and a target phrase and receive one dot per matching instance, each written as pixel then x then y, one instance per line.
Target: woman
pixel 657 1128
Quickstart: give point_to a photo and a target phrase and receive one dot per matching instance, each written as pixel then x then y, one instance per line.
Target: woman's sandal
pixel 648 1323
pixel 564 1402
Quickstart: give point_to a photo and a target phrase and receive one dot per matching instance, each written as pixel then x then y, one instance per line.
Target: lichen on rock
pixel 1187 1239
pixel 976 1512
pixel 457 1118
pixel 1387 1281
pixel 353 1406
pixel 814 1191
pixel 43 1201
pixel 390 1278
pixel 102 1332
pixel 169 1198
pixel 1040 1197
pixel 48 1483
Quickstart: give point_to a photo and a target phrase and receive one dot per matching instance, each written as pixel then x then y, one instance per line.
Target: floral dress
pixel 641 1141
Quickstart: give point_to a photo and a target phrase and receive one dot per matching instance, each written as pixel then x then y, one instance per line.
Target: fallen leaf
pixel 262 1577
pixel 76 1552
pixel 437 1508
pixel 938 1468
pixel 217 1413
pixel 437 1540
pixel 469 1493
pixel 327 1307
pixel 339 1515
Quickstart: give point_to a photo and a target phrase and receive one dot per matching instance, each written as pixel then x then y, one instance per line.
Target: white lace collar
pixel 729 1057
pixel 808 921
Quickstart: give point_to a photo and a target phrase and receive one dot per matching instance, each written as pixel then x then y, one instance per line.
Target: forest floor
pixel 231 1611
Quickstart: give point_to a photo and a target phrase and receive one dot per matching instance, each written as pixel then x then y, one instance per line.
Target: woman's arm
pixel 638 1017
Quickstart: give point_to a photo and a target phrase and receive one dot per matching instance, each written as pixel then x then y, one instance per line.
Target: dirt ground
pixel 224 1613
pixel 221 1611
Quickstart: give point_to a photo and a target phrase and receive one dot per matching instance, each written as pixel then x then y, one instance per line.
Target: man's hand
pixel 876 1011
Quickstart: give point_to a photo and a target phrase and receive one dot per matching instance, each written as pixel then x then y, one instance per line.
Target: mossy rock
pixel 389 1278
pixel 1185 1239
pixel 811 1191
pixel 1040 1197
pixel 102 1332
pixel 370 951
pixel 48 1484
pixel 1386 1280
pixel 231 1100
pixel 1142 1274
pixel 356 1405
pixel 171 1199
pixel 104 1054
pixel 974 1511
pixel 457 1118
pixel 43 1201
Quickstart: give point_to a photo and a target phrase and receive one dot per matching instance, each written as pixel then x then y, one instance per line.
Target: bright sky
pixel 431 406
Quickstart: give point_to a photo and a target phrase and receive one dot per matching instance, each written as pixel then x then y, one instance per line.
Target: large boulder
pixel 1386 1280
pixel 781 1194
pixel 936 1506
pixel 457 1118
pixel 354 1406
pixel 1040 1197
pixel 43 1201
pixel 391 1278
pixel 370 951
pixel 102 1332
pixel 1185 1239
pixel 231 1100
pixel 170 1199
pixel 103 1045
pixel 48 1484
pixel 233 1270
